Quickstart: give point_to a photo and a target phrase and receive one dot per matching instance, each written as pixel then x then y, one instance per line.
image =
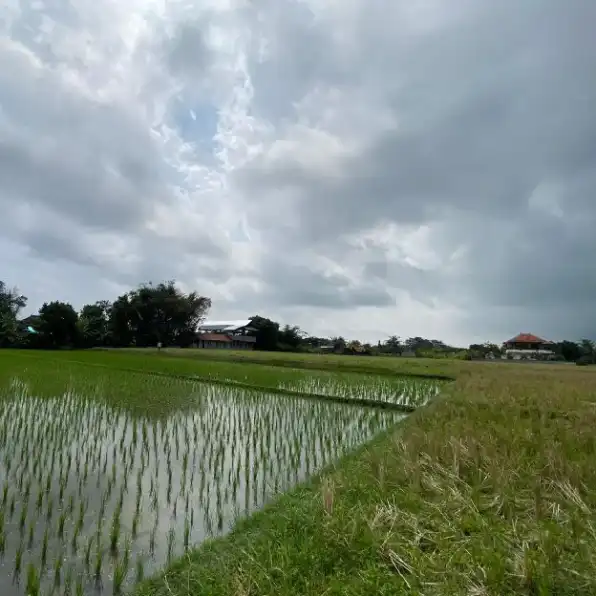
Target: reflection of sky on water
pixel 175 480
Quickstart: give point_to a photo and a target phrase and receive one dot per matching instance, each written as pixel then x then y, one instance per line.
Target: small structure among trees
pixel 526 346
pixel 231 335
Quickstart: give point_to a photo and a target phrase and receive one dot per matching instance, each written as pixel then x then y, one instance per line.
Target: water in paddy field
pixel 95 498
pixel 399 391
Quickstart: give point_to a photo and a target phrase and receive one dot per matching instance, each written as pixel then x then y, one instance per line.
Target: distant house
pixel 527 346
pixel 231 335
pixel 327 348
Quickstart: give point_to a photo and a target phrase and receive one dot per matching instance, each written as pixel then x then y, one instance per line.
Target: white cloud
pixel 356 167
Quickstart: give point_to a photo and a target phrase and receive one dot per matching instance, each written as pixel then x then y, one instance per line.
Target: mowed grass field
pixel 488 488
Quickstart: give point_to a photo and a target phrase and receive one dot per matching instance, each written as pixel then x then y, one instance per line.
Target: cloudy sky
pixel 357 167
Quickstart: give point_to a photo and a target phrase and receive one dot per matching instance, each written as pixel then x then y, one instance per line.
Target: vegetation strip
pixel 384 405
pixel 311 364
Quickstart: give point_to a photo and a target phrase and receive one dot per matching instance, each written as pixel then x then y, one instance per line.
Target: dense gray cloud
pixel 363 168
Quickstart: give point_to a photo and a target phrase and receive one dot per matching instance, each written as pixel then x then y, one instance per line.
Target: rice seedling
pixel 58 563
pixel 33 585
pixel 30 537
pixel 115 529
pixel 44 548
pixel 401 391
pixel 105 478
pixel 120 573
pixel 98 562
pixel 140 570
pixel 68 580
pixel 18 561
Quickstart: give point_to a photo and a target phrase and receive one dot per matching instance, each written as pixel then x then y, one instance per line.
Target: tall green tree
pixel 393 345
pixel 93 324
pixel 290 338
pixel 58 325
pixel 156 313
pixel 267 333
pixel 571 351
pixel 339 344
pixel 11 302
pixel 588 349
pixel 120 322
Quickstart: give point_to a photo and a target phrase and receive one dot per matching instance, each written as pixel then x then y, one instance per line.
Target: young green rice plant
pixel 139 571
pixel 171 538
pixel 98 561
pixel 39 501
pixel 68 580
pixel 58 570
pixel 186 534
pixel 33 586
pixel 121 497
pixel 81 517
pixel 44 548
pixel 120 572
pixel 126 554
pixel 152 540
pixel 30 537
pixel 115 529
pixel 88 548
pixel 18 561
pixel 61 522
pixel 50 508
pixel 74 541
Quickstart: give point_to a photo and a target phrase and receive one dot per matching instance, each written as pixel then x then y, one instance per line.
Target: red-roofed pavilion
pixel 527 341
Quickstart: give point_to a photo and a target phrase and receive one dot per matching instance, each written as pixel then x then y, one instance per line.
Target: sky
pixel 361 168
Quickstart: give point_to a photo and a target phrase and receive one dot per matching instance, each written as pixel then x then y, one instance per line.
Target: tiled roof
pixel 527 338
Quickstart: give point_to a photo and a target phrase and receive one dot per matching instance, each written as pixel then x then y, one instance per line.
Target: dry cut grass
pixel 489 491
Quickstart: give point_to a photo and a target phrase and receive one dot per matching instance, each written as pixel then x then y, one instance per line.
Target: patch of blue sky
pixel 196 123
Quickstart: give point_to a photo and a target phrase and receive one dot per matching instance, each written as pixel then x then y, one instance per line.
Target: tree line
pixel 148 315
pixel 141 317
pixel 162 313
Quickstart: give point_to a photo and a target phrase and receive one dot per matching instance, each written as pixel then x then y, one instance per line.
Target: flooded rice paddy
pixel 401 391
pixel 94 496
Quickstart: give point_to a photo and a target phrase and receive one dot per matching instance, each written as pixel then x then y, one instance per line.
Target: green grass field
pixel 425 367
pixel 124 465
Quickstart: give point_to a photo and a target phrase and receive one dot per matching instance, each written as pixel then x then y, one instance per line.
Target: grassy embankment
pixel 489 490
